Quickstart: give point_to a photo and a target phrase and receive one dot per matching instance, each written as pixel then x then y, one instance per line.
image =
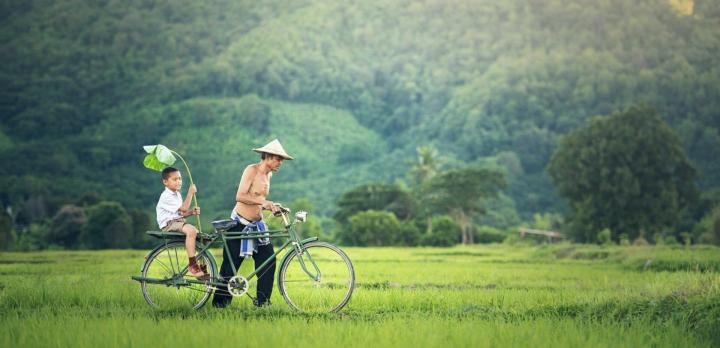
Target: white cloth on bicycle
pixel 249 246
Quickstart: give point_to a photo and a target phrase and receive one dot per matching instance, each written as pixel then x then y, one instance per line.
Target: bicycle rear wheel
pixel 174 291
pixel 328 290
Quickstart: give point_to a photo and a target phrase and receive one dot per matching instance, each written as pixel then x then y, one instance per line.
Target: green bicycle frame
pixel 289 232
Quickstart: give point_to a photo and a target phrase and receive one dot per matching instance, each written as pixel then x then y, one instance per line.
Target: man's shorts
pixel 174 225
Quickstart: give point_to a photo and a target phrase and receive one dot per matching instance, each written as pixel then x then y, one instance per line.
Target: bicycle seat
pixel 224 225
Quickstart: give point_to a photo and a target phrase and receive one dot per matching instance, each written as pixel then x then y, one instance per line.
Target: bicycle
pixel 313 275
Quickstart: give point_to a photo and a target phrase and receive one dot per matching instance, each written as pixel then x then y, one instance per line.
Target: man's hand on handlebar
pixel 281 208
pixel 275 208
pixel 270 205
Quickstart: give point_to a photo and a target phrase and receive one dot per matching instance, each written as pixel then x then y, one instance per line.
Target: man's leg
pixel 222 298
pixel 267 275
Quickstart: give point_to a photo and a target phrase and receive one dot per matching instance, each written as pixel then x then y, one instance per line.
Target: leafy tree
pixel 311 227
pixel 500 213
pixel 141 223
pixel 690 217
pixel 461 193
pixel 627 172
pixel 707 230
pixel 33 209
pixel 303 204
pixel 108 226
pixel 604 237
pixel 445 232
pixel 88 198
pixel 408 234
pixel 390 197
pixel 488 234
pixel 547 221
pixel 32 238
pixel 354 153
pixel 66 227
pixel 7 234
pixel 371 228
pixel 213 79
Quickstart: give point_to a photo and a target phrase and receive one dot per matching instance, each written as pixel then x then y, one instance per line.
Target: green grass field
pixel 561 295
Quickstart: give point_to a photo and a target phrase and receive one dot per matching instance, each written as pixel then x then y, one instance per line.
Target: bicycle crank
pixel 237 286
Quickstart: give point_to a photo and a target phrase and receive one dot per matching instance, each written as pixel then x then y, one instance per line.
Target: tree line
pixel 486 83
pixel 87 224
pixel 625 176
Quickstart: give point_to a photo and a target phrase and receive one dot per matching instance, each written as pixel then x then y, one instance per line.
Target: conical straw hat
pixel 274 148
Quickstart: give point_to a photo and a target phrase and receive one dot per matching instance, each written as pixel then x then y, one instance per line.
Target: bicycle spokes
pixel 326 290
pixel 168 284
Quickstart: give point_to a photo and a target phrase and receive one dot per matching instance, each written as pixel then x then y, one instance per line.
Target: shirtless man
pixel 251 199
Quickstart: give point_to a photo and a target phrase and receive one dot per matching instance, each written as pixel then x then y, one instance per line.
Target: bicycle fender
pixel 308 240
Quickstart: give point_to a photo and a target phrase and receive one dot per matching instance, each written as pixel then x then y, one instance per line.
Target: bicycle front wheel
pixel 326 282
pixel 169 288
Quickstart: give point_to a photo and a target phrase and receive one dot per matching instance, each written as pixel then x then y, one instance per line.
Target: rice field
pixel 480 296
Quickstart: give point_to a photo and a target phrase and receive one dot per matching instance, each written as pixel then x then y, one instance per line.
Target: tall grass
pixel 462 296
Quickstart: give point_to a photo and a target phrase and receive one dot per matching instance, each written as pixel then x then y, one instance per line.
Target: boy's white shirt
pixel 168 207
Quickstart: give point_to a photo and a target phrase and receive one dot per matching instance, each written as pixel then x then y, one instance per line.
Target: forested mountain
pixel 351 88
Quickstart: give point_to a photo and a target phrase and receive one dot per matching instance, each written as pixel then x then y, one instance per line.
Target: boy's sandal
pixel 196 272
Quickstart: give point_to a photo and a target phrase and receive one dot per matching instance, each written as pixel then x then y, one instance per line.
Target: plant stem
pixel 197 221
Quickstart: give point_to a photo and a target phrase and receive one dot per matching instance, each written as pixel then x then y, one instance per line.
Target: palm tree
pixel 420 174
pixel 426 166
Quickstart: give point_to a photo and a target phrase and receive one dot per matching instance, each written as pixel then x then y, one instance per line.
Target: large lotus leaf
pixel 158 157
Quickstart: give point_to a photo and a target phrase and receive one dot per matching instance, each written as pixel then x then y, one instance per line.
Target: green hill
pixel 351 89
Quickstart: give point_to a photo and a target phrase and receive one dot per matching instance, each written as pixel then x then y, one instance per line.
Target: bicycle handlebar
pixel 283 210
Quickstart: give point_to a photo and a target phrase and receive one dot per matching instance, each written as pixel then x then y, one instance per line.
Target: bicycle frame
pixel 288 232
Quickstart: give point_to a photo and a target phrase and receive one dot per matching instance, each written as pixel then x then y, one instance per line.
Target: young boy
pixel 172 210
